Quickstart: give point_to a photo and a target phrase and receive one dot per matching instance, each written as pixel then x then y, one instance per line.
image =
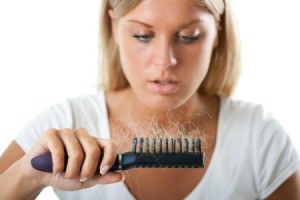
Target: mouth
pixel 165 82
pixel 163 86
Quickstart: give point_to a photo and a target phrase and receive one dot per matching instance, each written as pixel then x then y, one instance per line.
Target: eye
pixel 143 38
pixel 188 39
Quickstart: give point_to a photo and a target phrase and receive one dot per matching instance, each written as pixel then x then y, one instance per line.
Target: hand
pixel 83 151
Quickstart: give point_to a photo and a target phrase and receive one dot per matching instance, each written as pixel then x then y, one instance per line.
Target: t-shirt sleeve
pixel 277 157
pixel 56 116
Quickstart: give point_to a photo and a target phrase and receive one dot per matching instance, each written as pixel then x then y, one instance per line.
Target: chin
pixel 163 103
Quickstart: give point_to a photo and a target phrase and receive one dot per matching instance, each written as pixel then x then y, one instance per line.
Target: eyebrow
pixel 181 26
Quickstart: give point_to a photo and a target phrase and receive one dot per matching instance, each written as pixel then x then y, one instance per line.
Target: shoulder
pixel 89 99
pixel 237 107
pixel 268 147
pixel 85 103
pixel 247 114
pixel 81 111
pixel 70 113
pixel 78 112
pixel 254 126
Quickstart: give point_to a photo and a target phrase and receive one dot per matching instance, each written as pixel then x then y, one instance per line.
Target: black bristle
pixel 180 145
pixel 167 145
pixel 160 145
pixel 174 146
pixel 186 145
pixel 141 145
pixel 133 148
pixel 154 145
pixel 198 146
pixel 147 145
pixel 193 145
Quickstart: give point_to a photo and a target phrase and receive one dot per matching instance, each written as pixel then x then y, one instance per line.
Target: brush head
pixel 166 145
pixel 163 153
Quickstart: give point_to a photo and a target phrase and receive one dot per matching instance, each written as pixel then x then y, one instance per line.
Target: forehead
pixel 167 12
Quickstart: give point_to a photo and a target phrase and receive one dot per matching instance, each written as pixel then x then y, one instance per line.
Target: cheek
pixel 196 61
pixel 134 58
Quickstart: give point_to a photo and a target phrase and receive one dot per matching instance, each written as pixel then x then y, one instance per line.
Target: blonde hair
pixel 225 62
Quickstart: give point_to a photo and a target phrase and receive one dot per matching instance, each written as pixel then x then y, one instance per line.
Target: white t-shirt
pixel 252 157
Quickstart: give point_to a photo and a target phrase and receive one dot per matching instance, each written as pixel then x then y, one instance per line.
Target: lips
pixel 164 82
pixel 163 86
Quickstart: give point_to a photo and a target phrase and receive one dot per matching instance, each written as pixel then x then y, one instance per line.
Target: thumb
pixel 109 177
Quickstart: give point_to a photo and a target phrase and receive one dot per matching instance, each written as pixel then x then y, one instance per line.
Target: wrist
pixel 29 175
pixel 15 184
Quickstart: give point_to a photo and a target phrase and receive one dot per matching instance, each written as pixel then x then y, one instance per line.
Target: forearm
pixel 289 189
pixel 14 185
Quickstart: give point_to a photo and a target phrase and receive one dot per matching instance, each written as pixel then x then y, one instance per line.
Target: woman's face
pixel 165 50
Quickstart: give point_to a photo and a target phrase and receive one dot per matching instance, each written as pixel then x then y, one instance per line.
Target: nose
pixel 164 55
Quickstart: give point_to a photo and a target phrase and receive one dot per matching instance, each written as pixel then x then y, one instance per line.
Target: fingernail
pixel 83 179
pixel 57 176
pixel 123 178
pixel 104 169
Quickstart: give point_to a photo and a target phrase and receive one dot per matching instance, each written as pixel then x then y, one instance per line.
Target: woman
pixel 169 68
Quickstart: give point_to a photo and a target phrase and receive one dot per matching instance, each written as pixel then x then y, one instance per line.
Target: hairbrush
pixel 146 153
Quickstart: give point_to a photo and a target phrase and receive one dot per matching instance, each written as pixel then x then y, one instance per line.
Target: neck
pixel 197 118
pixel 142 111
pixel 185 117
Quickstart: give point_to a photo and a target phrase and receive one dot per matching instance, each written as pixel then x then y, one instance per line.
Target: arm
pixel 289 189
pixel 10 155
pixel 12 182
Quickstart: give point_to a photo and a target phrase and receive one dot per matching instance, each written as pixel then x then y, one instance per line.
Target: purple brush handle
pixel 44 163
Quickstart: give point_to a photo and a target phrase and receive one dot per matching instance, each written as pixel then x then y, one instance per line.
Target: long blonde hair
pixel 225 62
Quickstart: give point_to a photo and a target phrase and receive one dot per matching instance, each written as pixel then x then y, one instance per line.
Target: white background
pixel 48 52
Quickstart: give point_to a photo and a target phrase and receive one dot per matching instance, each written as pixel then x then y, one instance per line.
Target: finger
pixel 74 151
pixel 92 153
pixel 52 141
pixel 109 177
pixel 110 154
